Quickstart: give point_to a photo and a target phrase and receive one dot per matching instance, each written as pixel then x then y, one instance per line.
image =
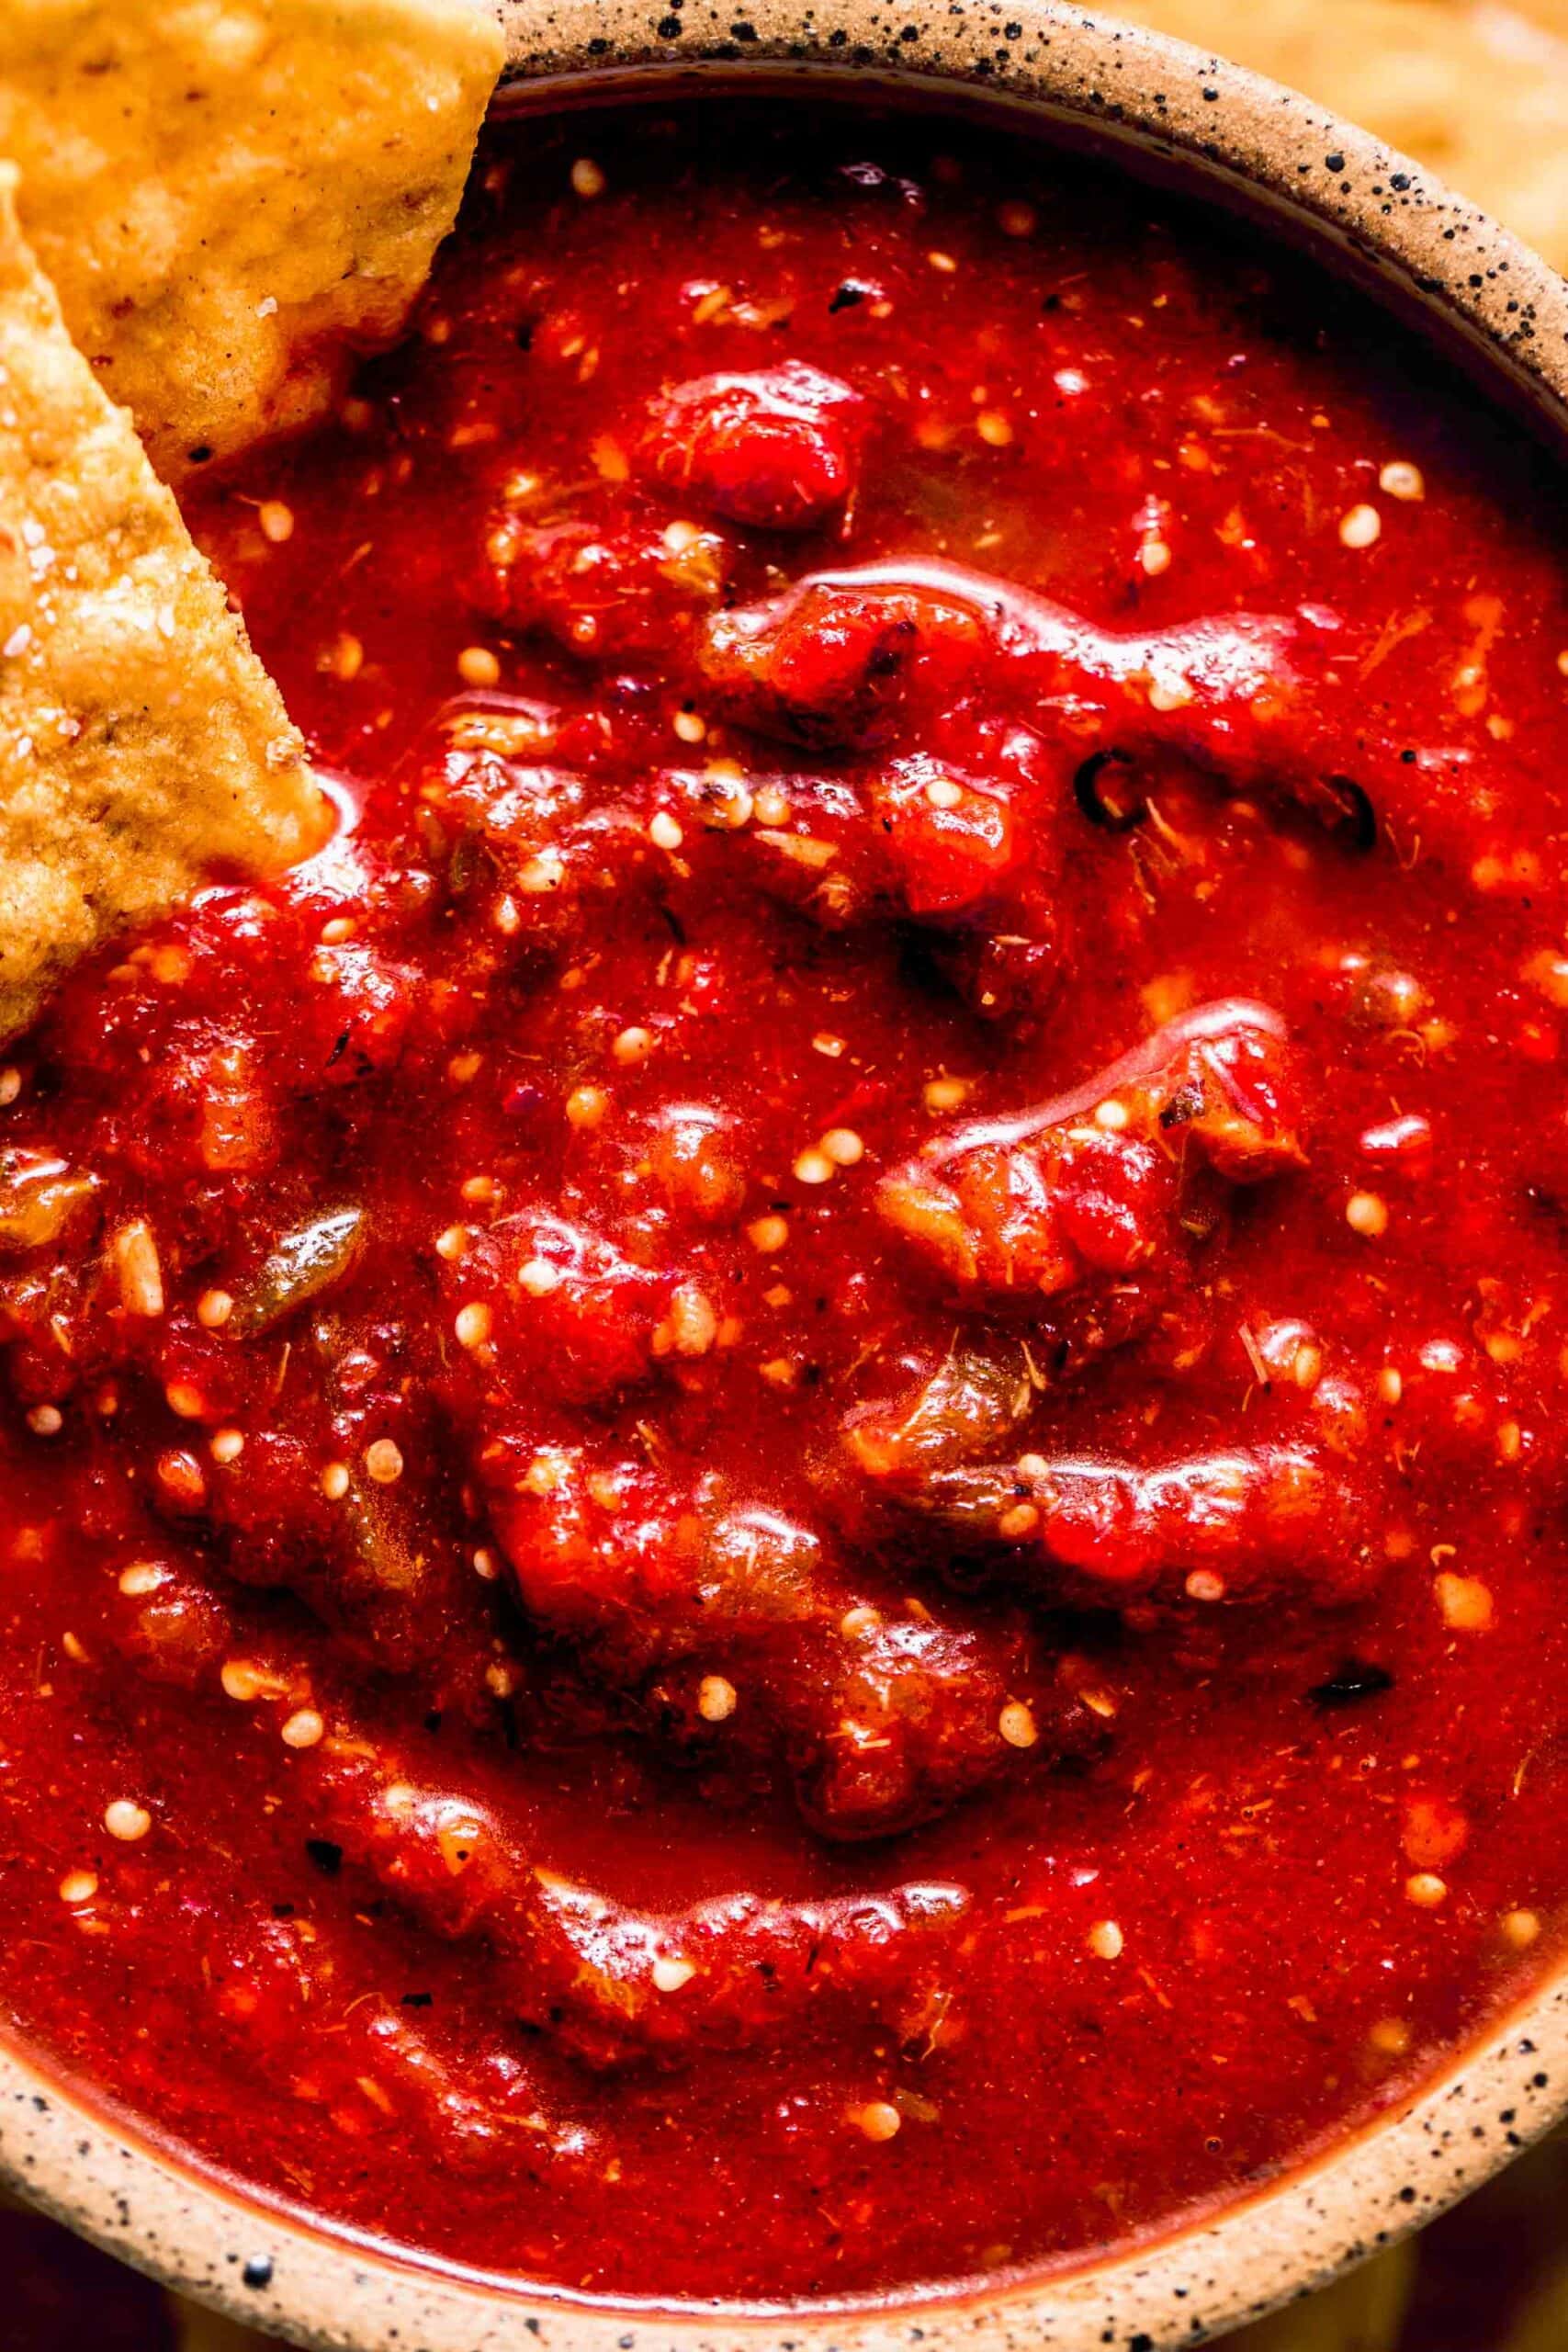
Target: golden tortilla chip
pixel 227 194
pixel 1478 92
pixel 142 743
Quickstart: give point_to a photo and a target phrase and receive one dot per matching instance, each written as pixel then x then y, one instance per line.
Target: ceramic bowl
pixel 1170 113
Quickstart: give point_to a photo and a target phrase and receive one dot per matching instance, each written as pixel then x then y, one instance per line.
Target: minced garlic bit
pixel 303 1729
pixel 1016 1724
pixel 945 1093
pixel 213 1309
pixel 664 830
pixel 539 1277
pixel 843 1146
pixel 384 1461
pixel 693 1321
pixel 1519 1929
pixel 78 1886
pixel 226 1445
pixel 669 1972
pixel 545 872
pixel 717 1698
pixel 276 521
pixel 768 1234
pixel 46 1421
pixel 335 1481
pixel 587 178
pixel 813 1167
pixel 633 1044
pixel 1106 1940
pixel 127 1821
pixel 1361 526
pixel 136 1268
pixel 690 727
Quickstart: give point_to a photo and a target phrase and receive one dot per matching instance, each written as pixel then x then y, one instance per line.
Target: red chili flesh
pixel 782 1484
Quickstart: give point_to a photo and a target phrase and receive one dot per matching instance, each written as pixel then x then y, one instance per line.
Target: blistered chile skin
pixel 782 1487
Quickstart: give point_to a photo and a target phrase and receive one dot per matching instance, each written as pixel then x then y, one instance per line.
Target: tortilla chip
pixel 1480 92
pixel 142 743
pixel 228 194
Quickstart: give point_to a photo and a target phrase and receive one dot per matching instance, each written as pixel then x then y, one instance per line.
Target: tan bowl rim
pixel 1191 117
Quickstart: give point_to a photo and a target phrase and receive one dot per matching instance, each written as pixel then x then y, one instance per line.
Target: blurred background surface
pixel 1477 91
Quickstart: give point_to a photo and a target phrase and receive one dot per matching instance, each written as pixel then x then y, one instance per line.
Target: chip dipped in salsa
pixel 783 1483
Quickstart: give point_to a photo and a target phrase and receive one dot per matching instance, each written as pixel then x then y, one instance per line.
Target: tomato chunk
pixel 777 448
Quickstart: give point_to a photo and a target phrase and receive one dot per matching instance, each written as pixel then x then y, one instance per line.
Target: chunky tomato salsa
pixel 782 1484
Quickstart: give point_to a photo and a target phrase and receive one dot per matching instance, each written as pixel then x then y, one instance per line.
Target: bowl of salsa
pixel 784 1479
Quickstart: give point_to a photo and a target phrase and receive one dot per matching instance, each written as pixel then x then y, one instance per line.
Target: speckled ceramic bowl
pixel 1174 115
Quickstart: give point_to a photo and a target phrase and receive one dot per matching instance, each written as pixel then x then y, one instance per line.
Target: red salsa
pixel 782 1487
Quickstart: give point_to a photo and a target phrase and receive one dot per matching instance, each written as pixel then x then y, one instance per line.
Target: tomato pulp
pixel 783 1483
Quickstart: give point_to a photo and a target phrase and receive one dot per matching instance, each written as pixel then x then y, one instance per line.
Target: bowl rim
pixel 1173 112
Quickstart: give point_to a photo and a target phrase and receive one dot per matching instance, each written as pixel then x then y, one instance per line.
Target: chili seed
pixel 879 2120
pixel 478 666
pixel 717 1698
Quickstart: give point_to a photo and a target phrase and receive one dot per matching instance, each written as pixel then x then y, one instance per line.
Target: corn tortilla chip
pixel 142 743
pixel 1480 92
pixel 229 194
